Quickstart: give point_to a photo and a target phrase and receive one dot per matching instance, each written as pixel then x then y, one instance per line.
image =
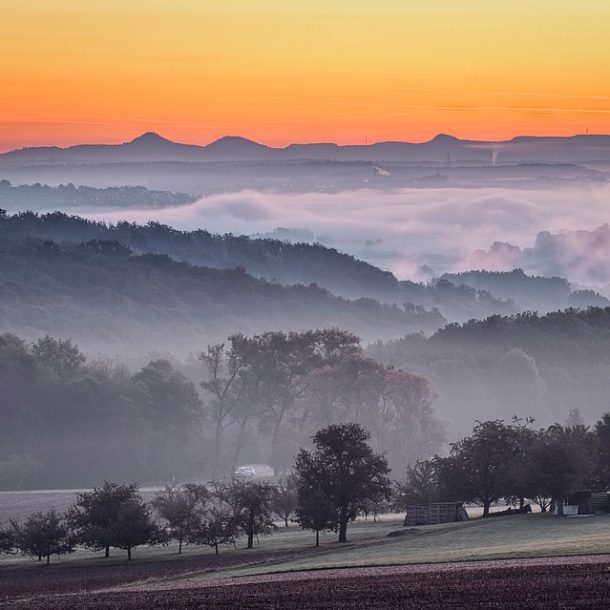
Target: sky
pixel 282 71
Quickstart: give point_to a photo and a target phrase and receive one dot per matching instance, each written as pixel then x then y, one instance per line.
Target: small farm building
pixel 438 512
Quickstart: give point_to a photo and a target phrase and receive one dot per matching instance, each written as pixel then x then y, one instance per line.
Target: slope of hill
pixel 533 293
pixel 273 260
pixel 106 298
pixel 525 365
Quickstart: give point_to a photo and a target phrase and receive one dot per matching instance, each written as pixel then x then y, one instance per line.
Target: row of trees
pixel 289 384
pixel 339 479
pixel 540 365
pixel 330 486
pixel 513 462
pixel 68 421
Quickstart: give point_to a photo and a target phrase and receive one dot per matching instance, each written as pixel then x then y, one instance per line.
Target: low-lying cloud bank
pixel 419 232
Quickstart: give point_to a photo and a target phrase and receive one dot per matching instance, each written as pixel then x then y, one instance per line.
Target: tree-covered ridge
pixel 107 298
pixel 534 293
pixel 43 197
pixel 539 365
pixel 275 260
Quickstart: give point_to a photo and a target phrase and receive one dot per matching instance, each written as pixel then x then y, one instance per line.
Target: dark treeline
pixel 71 422
pixel 43 197
pixel 514 462
pixel 271 259
pixel 106 298
pixel 541 365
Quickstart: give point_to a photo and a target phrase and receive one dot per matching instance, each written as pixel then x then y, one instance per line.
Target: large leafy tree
pixel 95 514
pixel 224 388
pixel 602 469
pixel 172 410
pixel 134 526
pixel 564 459
pixel 59 355
pixel 250 504
pixel 7 540
pixel 479 466
pixel 43 535
pixel 278 365
pixel 285 498
pixel 181 508
pixel 315 510
pixel 345 469
pixel 419 486
pixel 218 526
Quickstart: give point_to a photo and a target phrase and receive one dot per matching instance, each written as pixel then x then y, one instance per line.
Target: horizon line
pixel 304 143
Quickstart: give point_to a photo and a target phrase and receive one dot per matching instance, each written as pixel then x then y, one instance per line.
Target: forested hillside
pixel 103 296
pixel 72 421
pixel 526 365
pixel 274 260
pixel 529 293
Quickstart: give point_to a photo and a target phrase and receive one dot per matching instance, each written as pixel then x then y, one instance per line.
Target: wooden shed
pixel 589 502
pixel 438 512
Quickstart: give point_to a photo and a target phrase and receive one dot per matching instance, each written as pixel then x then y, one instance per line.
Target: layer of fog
pixel 416 233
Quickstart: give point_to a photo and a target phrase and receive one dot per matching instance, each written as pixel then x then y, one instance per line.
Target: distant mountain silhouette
pixel 442 149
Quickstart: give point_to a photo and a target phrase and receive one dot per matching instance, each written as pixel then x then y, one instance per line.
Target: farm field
pixel 463 559
pixel 19 504
pixel 555 583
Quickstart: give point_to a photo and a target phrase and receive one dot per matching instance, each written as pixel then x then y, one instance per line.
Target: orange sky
pixel 280 71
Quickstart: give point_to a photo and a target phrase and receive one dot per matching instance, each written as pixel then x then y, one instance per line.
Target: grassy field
pixel 157 576
pixel 386 542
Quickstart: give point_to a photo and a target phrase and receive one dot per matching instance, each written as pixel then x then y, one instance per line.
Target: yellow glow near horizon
pixel 282 71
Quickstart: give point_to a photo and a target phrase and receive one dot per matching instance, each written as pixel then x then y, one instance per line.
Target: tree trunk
pixel 240 438
pixel 216 547
pixel 343 528
pixel 39 556
pixel 180 546
pixel 274 459
pixel 559 506
pixel 521 503
pixel 251 519
pixel 216 449
pixel 285 520
pixel 129 554
pixel 48 559
pixel 317 538
pixel 486 508
pixel 107 552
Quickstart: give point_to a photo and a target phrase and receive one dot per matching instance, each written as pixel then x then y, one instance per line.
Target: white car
pixel 247 472
pixel 252 471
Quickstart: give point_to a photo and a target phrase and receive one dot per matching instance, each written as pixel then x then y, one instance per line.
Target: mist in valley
pixel 119 278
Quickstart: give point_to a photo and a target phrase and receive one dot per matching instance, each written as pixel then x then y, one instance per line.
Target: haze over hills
pixel 442 149
pixel 457 298
pixel 108 299
pixel 525 365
